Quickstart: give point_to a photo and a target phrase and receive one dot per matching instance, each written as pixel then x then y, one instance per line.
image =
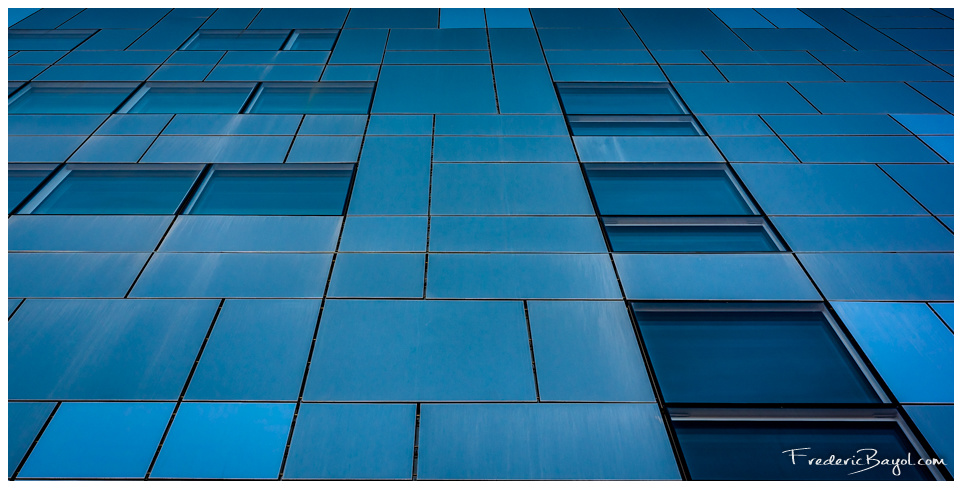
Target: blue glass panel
pixel 692 73
pixel 352 441
pixel 521 276
pixel 760 454
pixel 525 89
pixel 665 191
pixel 507 17
pixel 864 233
pixel 907 344
pixel 790 356
pixel 943 145
pixel 24 420
pixel 500 125
pixel 231 18
pixel 516 234
pixel 946 311
pixel 314 98
pixel 336 73
pixel 509 189
pixel 607 73
pixel 283 275
pixel 112 149
pixel 437 57
pixel 680 56
pixel 920 39
pixel 73 98
pixel 756 149
pixel 21 180
pixel 590 38
pixel 400 125
pixel 688 235
pixel 743 98
pixel 274 58
pixel 225 441
pixel 299 18
pixel 240 124
pixel 134 125
pixel 218 149
pixel 825 190
pixel 324 149
pixel 435 89
pixel 312 40
pixel 393 18
pixel 937 425
pixel 870 73
pixel 297 73
pixel 776 73
pixel 41 149
pixel 99 440
pixel 435 39
pixel 421 350
pixel 395 233
pixel 544 441
pixel 52 125
pixel 619 98
pixel 834 125
pixel 714 277
pixel 181 73
pixel 195 57
pixel 646 149
pixel 253 233
pixel 881 276
pixel 73 274
pixel 703 30
pixel 519 148
pixel 331 124
pixel 511 46
pixel 45 40
pixel 932 185
pixel 761 57
pixel 790 39
pixel 360 46
pixel 116 18
pixel 186 98
pixel 869 57
pixel 866 98
pixel 96 72
pixel 584 17
pixel 257 351
pixel 742 17
pixel 861 149
pixel 118 192
pixel 110 39
pixel 939 92
pixel 86 233
pixel 393 176
pixel 462 18
pixel 274 192
pixel 377 275
pixel 47 18
pixel 599 56
pixel 789 18
pixel 105 349
pixel 568 336
pixel 242 40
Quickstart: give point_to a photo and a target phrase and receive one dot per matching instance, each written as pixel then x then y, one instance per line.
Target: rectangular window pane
pixel 749 354
pixel 666 190
pixel 244 40
pixel 69 98
pixel 108 191
pixel 584 125
pixel 313 98
pixel 761 445
pixel 43 40
pixel 189 98
pixel 689 235
pixel 619 98
pixel 22 179
pixel 312 40
pixel 275 191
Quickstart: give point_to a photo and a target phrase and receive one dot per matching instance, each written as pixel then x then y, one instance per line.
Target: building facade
pixel 480 244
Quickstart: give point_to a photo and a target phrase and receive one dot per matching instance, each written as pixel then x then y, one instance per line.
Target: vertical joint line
pixel 36 439
pixel 417 430
pixel 534 368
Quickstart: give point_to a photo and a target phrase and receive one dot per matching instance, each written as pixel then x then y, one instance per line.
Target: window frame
pixel 694 221
pixel 237 32
pixel 142 91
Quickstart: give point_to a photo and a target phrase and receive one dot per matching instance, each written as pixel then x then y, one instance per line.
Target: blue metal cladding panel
pixel 99 440
pixel 73 274
pixel 908 345
pixel 378 275
pixel 568 336
pixel 864 233
pixel 352 441
pixel 253 233
pixel 543 441
pixel 105 349
pixel 881 276
pixel 516 234
pixel 225 441
pixel 937 425
pixel 421 351
pixel 86 233
pixel 257 351
pixel 391 233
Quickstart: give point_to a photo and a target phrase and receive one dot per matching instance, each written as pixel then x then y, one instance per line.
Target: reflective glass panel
pixel 207 98
pixel 118 192
pixel 243 40
pixel 274 192
pixel 688 235
pixel 320 40
pixel 69 98
pixel 619 98
pixel 314 98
